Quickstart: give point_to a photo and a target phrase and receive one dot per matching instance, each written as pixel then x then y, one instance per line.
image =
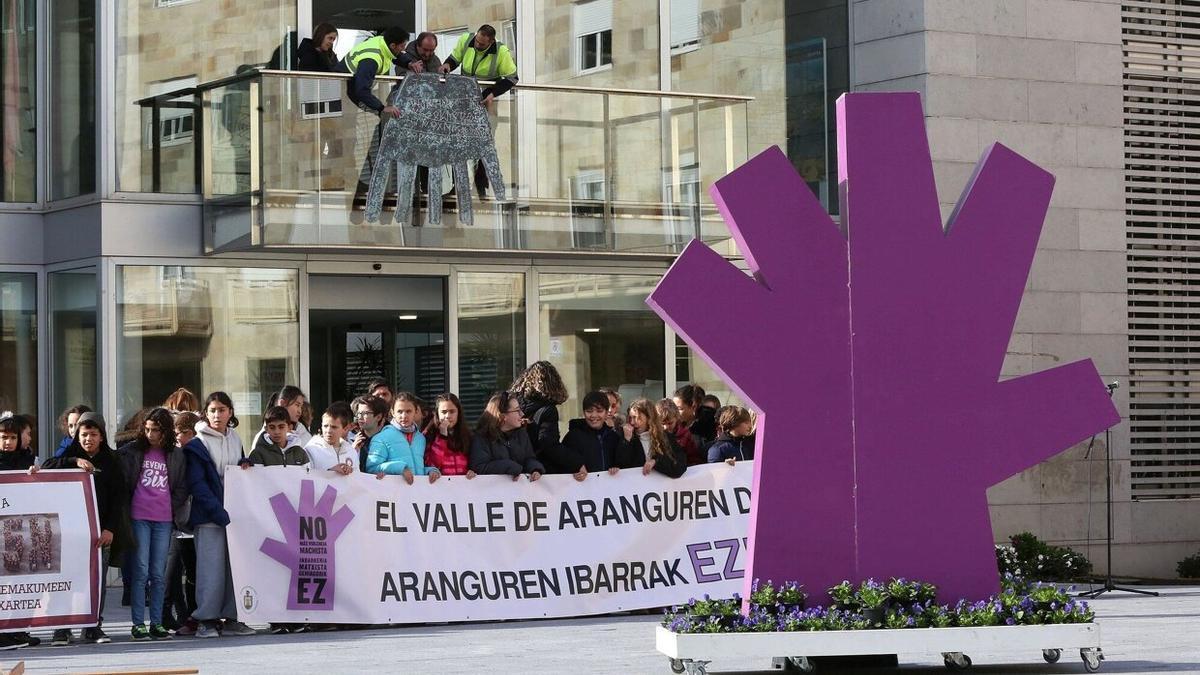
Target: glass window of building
pixel 73 92
pixel 576 44
pixel 792 57
pixel 159 44
pixel 73 321
pixel 491 335
pixel 685 24
pixel 598 332
pixel 18 170
pixel 18 343
pixel 366 328
pixel 592 24
pixel 231 329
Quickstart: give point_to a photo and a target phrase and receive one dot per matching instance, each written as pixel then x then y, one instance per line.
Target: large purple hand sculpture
pixel 876 354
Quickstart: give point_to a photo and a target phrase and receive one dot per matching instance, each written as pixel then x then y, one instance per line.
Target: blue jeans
pixel 154 540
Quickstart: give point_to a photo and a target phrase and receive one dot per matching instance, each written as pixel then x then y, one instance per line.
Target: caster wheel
pixel 677 666
pixel 956 661
pixel 800 664
pixel 1051 655
pixel 1091 659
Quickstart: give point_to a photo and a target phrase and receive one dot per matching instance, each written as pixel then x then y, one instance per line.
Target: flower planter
pixel 692 652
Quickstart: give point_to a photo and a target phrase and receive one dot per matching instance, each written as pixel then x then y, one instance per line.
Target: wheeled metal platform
pixel 692 652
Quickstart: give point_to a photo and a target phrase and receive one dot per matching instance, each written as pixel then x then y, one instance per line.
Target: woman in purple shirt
pixel 156 474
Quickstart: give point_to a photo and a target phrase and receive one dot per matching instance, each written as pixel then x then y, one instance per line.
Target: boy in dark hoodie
pixel 89 450
pixel 594 444
pixel 273 448
pixel 14 458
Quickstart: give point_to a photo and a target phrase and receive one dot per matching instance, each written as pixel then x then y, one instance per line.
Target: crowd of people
pixel 160 494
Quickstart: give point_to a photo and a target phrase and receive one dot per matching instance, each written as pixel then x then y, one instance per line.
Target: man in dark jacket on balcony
pixel 366 61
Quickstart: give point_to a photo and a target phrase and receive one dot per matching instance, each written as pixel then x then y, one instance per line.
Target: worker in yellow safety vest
pixel 370 58
pixel 481 56
pixel 366 61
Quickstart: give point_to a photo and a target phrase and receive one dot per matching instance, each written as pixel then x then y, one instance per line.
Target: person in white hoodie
pixel 292 398
pixel 331 451
pixel 215 599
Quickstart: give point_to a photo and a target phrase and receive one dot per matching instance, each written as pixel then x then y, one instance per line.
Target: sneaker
pixel 189 628
pixel 30 641
pixel 96 636
pixel 12 641
pixel 238 628
pixel 159 632
pixel 279 628
pixel 207 630
pixel 140 632
pixel 62 637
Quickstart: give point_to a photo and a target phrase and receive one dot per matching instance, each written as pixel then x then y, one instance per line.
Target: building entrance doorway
pixel 363 328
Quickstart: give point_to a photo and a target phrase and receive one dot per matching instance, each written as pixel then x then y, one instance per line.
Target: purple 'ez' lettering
pixel 699 562
pixel 731 547
pixel 878 347
pixel 308 550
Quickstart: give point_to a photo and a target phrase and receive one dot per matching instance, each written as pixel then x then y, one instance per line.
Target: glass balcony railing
pixel 585 169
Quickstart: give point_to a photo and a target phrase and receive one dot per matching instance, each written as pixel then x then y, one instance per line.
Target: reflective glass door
pixel 364 328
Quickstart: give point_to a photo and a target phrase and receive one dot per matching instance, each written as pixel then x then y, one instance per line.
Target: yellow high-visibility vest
pixel 372 49
pixel 483 65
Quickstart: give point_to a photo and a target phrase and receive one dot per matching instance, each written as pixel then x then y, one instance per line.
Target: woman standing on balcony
pixel 315 54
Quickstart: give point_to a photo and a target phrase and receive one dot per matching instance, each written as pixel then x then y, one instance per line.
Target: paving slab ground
pixel 1139 635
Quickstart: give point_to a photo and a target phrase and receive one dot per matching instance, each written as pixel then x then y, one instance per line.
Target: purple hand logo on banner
pixel 310 533
pixel 876 354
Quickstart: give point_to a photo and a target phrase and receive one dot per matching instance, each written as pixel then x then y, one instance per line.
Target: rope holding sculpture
pixel 441 123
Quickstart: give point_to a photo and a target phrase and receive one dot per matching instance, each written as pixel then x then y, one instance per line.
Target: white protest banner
pixel 51 569
pixel 315 546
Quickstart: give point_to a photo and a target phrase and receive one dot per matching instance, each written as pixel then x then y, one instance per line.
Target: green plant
pixel 982 613
pixel 872 594
pixel 1034 558
pixel 909 593
pixel 792 593
pixel 764 595
pixel 1189 567
pixel 1020 603
pixel 898 618
pixel 843 594
pixel 935 616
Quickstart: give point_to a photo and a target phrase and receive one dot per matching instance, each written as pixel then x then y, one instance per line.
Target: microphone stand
pixel 1108 578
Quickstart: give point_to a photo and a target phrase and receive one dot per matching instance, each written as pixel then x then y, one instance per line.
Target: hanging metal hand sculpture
pixel 441 122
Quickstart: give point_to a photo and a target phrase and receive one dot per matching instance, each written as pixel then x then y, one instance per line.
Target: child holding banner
pixel 399 449
pixel 330 451
pixel 370 412
pixel 597 446
pixel 89 451
pixel 501 446
pixel 14 458
pixel 644 436
pixel 156 479
pixel 215 447
pixel 448 439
